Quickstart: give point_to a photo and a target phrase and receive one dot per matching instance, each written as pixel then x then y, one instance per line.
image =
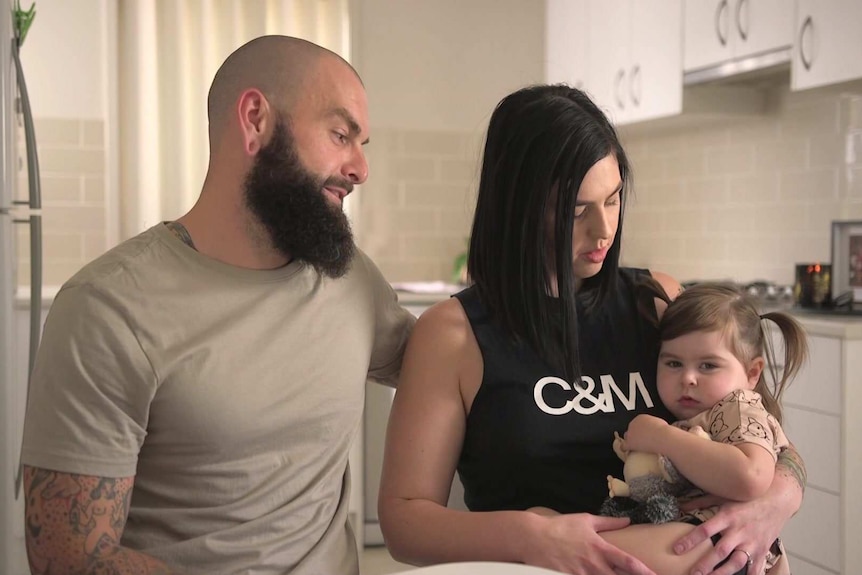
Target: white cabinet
pixel 828 43
pixel 706 35
pixel 821 419
pixel 635 58
pixel 719 31
pixel 566 45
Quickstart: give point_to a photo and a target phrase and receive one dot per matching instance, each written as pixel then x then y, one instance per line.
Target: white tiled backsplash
pixel 72 163
pixel 740 199
pixel 747 199
pixel 416 209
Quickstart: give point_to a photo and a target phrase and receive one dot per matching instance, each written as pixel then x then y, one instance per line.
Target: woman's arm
pixel 671 287
pixel 739 472
pixel 791 466
pixel 424 438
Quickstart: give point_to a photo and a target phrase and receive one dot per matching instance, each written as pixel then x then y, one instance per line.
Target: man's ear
pixel 755 368
pixel 254 119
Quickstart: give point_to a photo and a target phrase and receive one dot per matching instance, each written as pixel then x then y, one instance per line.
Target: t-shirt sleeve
pixel 742 418
pixel 91 389
pixel 393 325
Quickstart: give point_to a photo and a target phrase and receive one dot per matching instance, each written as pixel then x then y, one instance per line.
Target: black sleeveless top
pixel 533 438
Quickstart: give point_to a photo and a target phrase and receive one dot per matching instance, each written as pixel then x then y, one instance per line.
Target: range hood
pixel 731 91
pixel 768 64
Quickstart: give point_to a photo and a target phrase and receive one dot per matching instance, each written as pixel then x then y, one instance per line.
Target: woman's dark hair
pixel 541 142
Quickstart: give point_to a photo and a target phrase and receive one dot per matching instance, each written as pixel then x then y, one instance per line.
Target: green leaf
pixel 22 20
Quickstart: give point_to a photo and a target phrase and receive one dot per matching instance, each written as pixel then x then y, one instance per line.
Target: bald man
pixel 198 387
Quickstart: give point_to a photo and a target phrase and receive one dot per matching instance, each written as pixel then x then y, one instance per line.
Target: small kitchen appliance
pixel 813 285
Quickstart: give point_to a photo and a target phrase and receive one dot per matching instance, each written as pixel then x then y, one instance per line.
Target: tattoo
pixel 74 523
pixel 182 233
pixel 790 463
pixel 125 563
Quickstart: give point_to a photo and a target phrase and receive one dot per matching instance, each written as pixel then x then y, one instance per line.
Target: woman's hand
pixel 644 433
pixel 746 527
pixel 570 543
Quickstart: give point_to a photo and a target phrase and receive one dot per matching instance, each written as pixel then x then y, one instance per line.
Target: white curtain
pixel 169 51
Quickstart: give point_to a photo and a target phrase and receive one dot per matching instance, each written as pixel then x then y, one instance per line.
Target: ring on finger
pixel 749 561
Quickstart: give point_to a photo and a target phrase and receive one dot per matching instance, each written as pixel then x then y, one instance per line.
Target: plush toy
pixel 652 484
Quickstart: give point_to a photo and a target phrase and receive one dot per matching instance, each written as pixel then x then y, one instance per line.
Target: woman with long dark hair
pixel 520 381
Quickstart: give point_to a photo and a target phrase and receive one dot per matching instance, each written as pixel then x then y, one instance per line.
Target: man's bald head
pixel 275 65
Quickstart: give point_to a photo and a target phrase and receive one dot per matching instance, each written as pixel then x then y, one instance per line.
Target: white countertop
pixel 22 296
pixel 830 325
pixel 424 293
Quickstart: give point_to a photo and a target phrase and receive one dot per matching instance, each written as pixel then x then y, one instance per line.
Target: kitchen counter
pixel 424 294
pixel 410 299
pixel 22 296
pixel 830 325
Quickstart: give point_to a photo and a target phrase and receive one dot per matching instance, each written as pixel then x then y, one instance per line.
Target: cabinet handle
pixel 635 85
pixel 617 83
pixel 722 9
pixel 806 25
pixel 743 33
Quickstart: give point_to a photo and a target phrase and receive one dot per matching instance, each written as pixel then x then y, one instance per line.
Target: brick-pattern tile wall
pixel 72 163
pixel 749 198
pixel 414 213
pixel 741 199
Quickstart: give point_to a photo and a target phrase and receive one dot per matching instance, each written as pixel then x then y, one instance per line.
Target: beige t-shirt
pixel 738 418
pixel 232 396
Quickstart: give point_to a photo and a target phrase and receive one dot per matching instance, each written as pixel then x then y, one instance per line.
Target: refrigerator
pixel 20 205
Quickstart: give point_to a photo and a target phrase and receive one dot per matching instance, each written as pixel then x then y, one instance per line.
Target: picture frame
pixel 847 261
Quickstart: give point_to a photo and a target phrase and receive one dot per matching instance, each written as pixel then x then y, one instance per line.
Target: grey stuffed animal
pixel 652 484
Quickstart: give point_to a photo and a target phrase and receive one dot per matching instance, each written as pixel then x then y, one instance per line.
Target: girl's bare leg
pixel 653 544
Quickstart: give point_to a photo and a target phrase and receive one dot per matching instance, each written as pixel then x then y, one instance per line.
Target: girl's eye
pixel 580 211
pixel 613 200
pixel 707 366
pixel 673 363
pixel 341 137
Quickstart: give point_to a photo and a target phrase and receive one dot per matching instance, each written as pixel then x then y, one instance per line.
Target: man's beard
pixel 289 202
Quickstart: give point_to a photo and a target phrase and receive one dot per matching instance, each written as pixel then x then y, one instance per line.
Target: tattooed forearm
pixel 790 463
pixel 74 524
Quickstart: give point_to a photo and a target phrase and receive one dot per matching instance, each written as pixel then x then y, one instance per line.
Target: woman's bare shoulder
pixel 445 322
pixel 671 286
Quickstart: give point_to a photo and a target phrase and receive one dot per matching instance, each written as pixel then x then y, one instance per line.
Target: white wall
pixel 64 59
pixel 444 64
